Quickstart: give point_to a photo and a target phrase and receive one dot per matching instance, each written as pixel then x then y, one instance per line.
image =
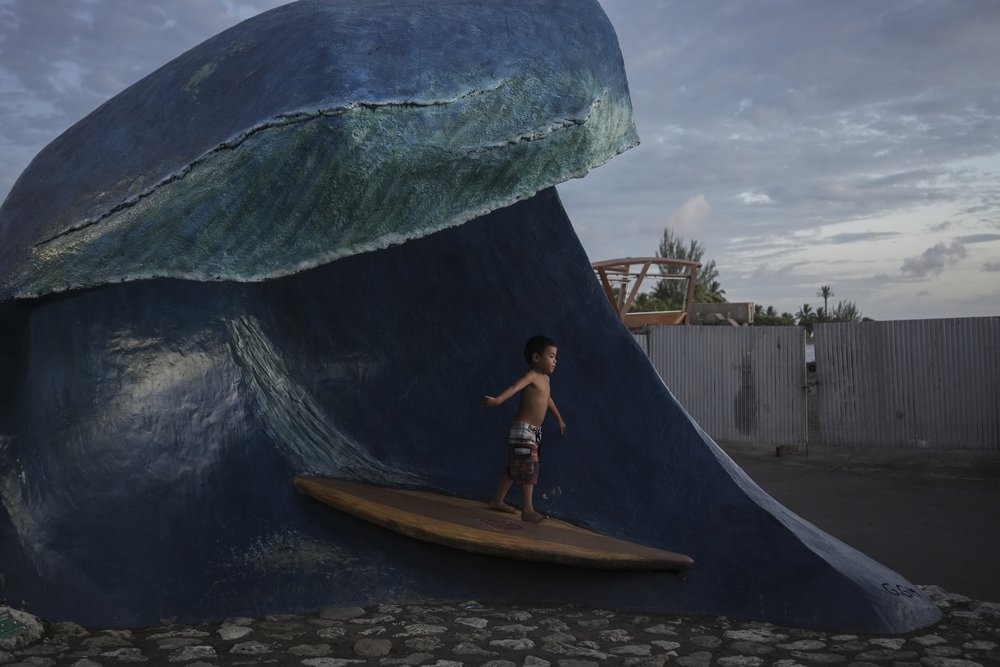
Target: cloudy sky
pixel 854 144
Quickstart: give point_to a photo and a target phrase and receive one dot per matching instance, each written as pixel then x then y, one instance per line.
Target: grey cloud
pixel 992 267
pixel 978 238
pixel 934 260
pixel 838 111
pixel 980 208
pixel 850 113
pixel 792 58
pixel 61 60
pixel 755 198
pixel 903 179
pixel 854 237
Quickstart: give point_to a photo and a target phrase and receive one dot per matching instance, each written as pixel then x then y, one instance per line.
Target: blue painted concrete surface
pixel 177 341
pixel 150 445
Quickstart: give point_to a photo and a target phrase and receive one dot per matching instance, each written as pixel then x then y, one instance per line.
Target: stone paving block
pixel 189 653
pixel 522 644
pixel 238 620
pixel 418 629
pixel 949 662
pixel 341 613
pixel 634 650
pixel 173 643
pixel 468 648
pixel 615 636
pixel 696 659
pixel 819 658
pixel 803 645
pixel 666 645
pixel 424 643
pixel 740 661
pixel 412 659
pixel 751 648
pixel 129 654
pixel 371 648
pixel 231 631
pixel 535 661
pixel 706 641
pixel 756 635
pixel 515 629
pixel 332 662
pixel 312 650
pixel 570 650
pixel 252 647
pixel 646 661
pixel 661 629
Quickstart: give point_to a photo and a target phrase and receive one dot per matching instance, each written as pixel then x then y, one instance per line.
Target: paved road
pixel 934 517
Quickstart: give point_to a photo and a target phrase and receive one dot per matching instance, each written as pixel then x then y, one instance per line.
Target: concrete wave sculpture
pixel 309 245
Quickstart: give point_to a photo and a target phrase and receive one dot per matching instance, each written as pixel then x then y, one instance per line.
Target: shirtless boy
pixel 526 431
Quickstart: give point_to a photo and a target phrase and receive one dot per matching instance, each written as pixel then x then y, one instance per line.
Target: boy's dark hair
pixel 537 345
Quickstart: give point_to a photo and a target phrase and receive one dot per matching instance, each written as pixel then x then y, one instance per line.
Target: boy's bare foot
pixel 501 506
pixel 533 517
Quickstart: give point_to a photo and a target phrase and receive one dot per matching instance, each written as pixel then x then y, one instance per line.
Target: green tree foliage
pixel 769 317
pixel 672 292
pixel 646 302
pixel 846 311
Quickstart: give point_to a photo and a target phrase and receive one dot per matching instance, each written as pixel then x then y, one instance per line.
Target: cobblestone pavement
pixel 509 636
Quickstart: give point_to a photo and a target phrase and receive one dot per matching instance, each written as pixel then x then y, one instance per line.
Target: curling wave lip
pixel 321 151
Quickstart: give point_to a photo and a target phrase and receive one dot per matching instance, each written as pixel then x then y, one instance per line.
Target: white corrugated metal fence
pixel 741 384
pixel 913 383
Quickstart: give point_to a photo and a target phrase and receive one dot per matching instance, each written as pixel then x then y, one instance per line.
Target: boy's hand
pixel 489 402
pixel 562 427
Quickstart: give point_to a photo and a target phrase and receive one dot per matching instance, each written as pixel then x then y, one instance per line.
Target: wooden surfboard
pixel 471 525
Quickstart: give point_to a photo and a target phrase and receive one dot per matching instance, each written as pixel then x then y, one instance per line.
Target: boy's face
pixel 546 361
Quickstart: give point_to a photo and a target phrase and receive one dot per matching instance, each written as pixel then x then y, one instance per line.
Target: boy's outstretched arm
pixel 555 413
pixel 491 402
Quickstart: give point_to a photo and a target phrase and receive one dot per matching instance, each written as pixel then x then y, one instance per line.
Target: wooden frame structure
pixel 628 275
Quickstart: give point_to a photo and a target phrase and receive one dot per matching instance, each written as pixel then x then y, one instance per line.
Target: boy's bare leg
pixel 497 502
pixel 528 512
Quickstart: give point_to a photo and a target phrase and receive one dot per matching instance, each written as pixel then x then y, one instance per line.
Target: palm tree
pixel 805 315
pixel 806 318
pixel 709 292
pixel 769 317
pixel 826 292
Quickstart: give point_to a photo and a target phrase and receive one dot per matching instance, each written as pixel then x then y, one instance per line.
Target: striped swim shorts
pixel 522 451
